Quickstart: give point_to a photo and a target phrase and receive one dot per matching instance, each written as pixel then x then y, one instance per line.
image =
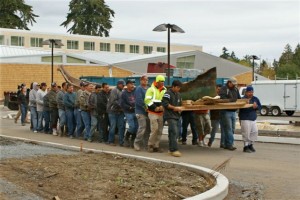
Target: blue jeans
pixel 132 122
pixel 47 121
pixel 228 126
pixel 86 118
pixel 188 117
pixel 71 123
pixel 79 122
pixel 173 132
pixel 23 113
pixel 34 118
pixel 62 117
pixel 103 127
pixel 214 128
pixel 116 120
pixel 40 120
pixel 94 124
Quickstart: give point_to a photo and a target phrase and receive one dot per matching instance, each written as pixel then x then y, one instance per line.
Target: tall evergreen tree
pixel 89 17
pixel 15 14
pixel 233 57
pixel 286 56
pixel 225 53
pixel 296 56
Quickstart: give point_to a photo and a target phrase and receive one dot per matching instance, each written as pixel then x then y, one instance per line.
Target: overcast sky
pixel 247 27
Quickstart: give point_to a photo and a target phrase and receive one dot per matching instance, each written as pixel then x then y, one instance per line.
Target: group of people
pixel 97 113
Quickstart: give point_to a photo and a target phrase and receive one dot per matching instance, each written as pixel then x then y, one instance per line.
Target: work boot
pixel 158 150
pixel 231 148
pixel 175 153
pixel 209 144
pixel 126 139
pixel 150 149
pixel 251 148
pixel 247 150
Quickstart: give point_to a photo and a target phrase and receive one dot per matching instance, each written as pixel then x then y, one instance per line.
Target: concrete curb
pixel 219 191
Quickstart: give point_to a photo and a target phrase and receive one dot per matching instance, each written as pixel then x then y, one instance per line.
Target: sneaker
pixel 183 143
pixel 222 146
pixel 136 147
pixel 175 153
pixel 202 144
pixel 179 140
pixel 54 132
pixel 35 131
pixel 71 137
pixel 23 124
pixel 247 149
pixel 111 144
pixel 251 148
pixel 89 140
pixel 158 150
pixel 231 148
pixel 195 143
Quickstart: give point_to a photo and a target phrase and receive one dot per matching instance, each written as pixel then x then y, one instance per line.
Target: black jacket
pixel 102 100
pixel 175 100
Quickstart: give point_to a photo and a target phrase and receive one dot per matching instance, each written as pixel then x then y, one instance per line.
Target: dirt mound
pixel 102 176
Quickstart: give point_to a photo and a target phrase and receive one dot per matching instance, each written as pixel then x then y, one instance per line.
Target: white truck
pixel 277 96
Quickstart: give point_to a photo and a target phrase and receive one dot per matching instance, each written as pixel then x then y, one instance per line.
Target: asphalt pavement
pixel 274 166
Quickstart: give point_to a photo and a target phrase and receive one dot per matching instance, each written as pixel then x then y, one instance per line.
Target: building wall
pixel 244 79
pixel 12 75
pixel 7 33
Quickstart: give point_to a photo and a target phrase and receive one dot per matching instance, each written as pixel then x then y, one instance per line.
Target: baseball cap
pixel 232 80
pixel 249 88
pixel 129 81
pixel 160 78
pixel 81 84
pixel 121 81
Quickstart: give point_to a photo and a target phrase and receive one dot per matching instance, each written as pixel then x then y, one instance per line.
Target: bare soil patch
pixel 102 176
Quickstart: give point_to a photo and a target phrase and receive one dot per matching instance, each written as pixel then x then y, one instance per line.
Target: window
pixel 17 41
pixel 161 49
pixel 1 39
pixel 104 46
pixel 72 44
pixel 119 47
pixel 186 62
pixel 74 60
pixel 148 49
pixel 134 49
pixel 36 42
pixel 57 59
pixel 89 46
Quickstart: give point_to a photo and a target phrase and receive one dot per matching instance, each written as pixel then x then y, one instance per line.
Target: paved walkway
pixel 276 166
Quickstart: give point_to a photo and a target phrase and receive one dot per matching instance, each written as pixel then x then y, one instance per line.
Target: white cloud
pixel 246 27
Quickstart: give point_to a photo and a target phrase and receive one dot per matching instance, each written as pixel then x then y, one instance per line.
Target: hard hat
pixel 160 78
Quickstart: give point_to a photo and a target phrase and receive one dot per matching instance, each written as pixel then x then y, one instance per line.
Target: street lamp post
pixel 253 57
pixel 170 28
pixel 52 42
